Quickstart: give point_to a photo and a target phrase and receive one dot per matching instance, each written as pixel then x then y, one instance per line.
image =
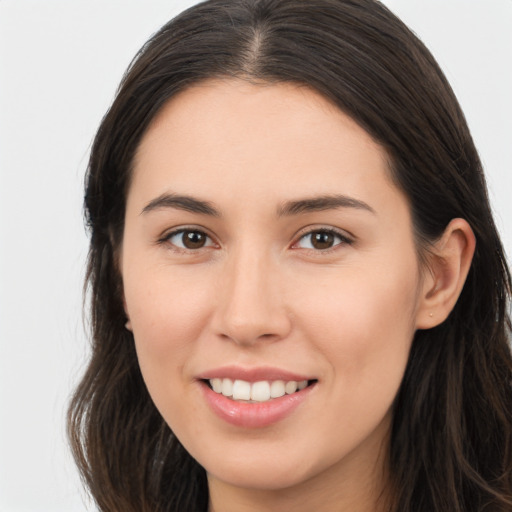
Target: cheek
pixel 168 311
pixel 363 323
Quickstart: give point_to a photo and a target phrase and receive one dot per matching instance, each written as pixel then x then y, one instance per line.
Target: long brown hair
pixel 451 443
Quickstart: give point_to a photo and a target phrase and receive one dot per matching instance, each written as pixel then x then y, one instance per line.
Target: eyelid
pixel 345 238
pixel 167 235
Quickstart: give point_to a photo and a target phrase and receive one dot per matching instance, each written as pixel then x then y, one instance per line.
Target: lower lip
pixel 254 415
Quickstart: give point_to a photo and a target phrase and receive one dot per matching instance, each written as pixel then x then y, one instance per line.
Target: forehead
pixel 245 104
pixel 261 140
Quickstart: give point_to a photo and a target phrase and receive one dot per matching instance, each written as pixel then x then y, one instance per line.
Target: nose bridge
pixel 250 303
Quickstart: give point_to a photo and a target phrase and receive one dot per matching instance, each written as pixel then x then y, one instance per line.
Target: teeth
pixel 290 387
pixel 241 390
pixel 277 388
pixel 302 384
pixel 227 387
pixel 216 385
pixel 261 391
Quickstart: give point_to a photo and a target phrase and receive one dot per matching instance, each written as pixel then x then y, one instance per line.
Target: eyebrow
pixel 327 202
pixel 297 207
pixel 180 202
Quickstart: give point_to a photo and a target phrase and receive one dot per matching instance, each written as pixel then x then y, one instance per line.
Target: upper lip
pixel 252 374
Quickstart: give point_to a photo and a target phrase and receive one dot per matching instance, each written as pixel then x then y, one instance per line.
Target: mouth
pixel 256 392
pixel 255 397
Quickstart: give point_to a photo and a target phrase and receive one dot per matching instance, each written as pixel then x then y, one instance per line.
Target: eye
pixel 321 240
pixel 189 239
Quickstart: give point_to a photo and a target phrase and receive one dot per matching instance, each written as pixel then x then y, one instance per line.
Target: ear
pixel 128 324
pixel 449 262
pixel 118 262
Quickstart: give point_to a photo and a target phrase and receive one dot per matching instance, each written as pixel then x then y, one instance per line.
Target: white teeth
pixel 241 390
pixel 216 385
pixel 227 387
pixel 302 384
pixel 277 389
pixel 261 391
pixel 290 387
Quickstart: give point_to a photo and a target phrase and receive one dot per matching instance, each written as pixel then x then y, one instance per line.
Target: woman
pixel 299 298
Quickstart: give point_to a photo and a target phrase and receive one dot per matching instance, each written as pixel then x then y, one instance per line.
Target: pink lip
pixel 253 415
pixel 252 374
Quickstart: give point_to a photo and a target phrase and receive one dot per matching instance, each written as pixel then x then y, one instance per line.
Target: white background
pixel 60 63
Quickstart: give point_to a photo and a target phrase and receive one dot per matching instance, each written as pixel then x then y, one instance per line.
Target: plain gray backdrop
pixel 60 63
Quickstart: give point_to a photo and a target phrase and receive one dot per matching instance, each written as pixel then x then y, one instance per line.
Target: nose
pixel 250 303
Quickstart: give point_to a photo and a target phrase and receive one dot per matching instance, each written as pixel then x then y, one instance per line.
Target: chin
pixel 264 477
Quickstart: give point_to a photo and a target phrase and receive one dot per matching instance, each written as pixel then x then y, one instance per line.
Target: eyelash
pixel 342 239
pixel 166 239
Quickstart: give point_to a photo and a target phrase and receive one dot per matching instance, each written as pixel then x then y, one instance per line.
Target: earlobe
pixel 448 266
pixel 128 324
pixel 118 256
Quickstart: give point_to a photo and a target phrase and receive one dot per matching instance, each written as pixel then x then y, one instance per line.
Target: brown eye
pixel 189 239
pixel 193 239
pixel 321 240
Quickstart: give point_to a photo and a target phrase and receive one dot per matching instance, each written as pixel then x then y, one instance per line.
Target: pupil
pixel 322 240
pixel 193 239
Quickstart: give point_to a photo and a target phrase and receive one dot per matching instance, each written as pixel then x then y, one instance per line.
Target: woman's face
pixel 266 243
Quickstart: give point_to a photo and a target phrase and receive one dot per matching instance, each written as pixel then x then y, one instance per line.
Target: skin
pixel 258 293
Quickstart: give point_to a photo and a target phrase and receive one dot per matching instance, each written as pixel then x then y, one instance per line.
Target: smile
pixel 255 392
